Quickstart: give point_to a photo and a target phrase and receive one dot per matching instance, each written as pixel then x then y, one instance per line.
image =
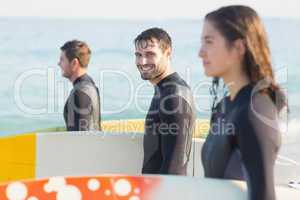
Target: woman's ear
pixel 240 46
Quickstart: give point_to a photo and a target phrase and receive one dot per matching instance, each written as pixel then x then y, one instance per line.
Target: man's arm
pixel 175 114
pixel 81 111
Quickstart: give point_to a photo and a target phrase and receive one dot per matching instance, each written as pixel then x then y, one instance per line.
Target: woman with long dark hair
pixel 244 136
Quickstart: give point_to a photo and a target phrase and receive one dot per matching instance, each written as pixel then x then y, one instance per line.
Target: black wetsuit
pixel 243 142
pixel 82 109
pixel 169 128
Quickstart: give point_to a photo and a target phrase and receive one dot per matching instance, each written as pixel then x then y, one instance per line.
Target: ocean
pixel 32 91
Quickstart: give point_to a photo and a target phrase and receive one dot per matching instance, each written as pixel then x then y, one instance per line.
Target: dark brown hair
pixel 159 34
pixel 77 49
pixel 242 22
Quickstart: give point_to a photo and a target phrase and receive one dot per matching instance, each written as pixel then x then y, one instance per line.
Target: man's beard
pixel 153 74
pixel 66 75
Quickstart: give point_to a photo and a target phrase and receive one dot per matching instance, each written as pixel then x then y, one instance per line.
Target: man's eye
pixel 150 54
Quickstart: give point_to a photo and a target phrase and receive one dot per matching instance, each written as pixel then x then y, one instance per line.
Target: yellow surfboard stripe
pixel 137 125
pixel 17 157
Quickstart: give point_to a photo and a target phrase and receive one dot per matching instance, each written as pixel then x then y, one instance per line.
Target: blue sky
pixel 140 9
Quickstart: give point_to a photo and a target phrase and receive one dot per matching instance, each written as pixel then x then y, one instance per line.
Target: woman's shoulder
pixel 261 103
pixel 260 112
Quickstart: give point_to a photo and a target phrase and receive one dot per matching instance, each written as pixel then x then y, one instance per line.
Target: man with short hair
pixel 82 109
pixel 170 121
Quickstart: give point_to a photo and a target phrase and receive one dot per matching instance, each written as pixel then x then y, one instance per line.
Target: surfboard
pixel 124 187
pixel 37 156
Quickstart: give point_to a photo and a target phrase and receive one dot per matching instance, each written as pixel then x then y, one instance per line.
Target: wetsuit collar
pixel 171 77
pixel 84 77
pixel 243 91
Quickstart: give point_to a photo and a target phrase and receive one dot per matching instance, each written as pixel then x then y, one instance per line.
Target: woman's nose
pixel 201 52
